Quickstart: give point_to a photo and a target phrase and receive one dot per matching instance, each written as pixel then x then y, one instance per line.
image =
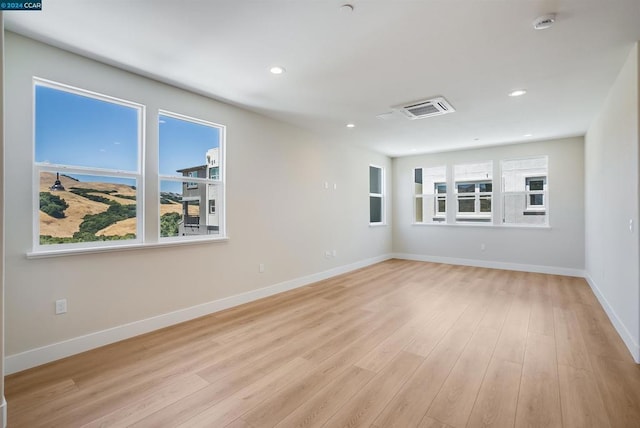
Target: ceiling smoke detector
pixel 545 21
pixel 427 108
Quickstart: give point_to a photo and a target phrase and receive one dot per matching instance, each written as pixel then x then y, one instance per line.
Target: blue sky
pixel 75 130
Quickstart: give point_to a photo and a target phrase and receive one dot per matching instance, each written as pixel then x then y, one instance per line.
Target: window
pixel 88 168
pixel 473 187
pixel 376 195
pixel 189 148
pixel 524 191
pixel 535 192
pixel 430 193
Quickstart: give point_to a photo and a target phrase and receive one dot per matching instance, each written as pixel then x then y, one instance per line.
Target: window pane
pixel 417 181
pixel 485 205
pixel 78 130
pixel 375 209
pixel 186 210
pixel 186 146
pixel 441 188
pixel 442 205
pixel 536 185
pixel 375 179
pixel 485 187
pixel 466 188
pixel 466 205
pixel 86 208
pixel 536 199
pixel 419 213
pixel 417 176
pixel 524 191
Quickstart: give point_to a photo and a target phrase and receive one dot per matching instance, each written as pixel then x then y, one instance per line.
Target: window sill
pixel 377 224
pixel 124 247
pixel 483 225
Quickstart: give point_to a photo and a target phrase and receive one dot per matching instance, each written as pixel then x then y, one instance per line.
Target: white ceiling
pixel 351 67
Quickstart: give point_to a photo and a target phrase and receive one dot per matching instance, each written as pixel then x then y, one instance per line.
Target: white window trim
pixel 441 216
pixel 220 182
pixel 543 192
pixel 38 167
pixel 477 197
pixel 381 195
pixel 143 213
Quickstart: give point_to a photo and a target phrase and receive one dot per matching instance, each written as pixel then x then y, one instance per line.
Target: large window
pixel 87 166
pixel 89 172
pixel 430 194
pixel 524 191
pixel 474 191
pixel 376 195
pixel 190 183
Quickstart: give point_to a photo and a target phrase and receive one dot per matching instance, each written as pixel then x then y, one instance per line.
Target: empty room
pixel 318 213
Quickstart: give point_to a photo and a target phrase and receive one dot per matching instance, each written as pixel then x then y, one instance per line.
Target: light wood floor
pixel 398 344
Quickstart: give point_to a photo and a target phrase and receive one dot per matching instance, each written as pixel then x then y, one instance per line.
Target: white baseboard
pixel 553 270
pixel 45 354
pixel 622 330
pixel 3 410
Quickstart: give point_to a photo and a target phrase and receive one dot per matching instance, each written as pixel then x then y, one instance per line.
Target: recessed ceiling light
pixel 545 21
pixel 476 139
pixel 517 93
pixel 528 135
pixel 277 69
pixel 351 125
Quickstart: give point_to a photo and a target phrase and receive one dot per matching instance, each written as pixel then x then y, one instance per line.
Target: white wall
pixel 3 405
pixel 557 249
pixel 278 213
pixel 611 201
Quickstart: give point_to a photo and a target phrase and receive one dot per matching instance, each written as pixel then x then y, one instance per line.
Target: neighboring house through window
pixel 430 194
pixel 194 143
pixel 474 192
pixel 524 191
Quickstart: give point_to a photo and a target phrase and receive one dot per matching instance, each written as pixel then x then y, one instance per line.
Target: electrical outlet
pixel 327 254
pixel 61 306
pixel 261 268
pixel 483 247
pixel 333 253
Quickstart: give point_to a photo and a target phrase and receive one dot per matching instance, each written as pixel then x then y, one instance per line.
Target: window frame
pixel 146 174
pixel 220 183
pixel 380 196
pixel 528 192
pixel 524 209
pixel 478 196
pixel 40 167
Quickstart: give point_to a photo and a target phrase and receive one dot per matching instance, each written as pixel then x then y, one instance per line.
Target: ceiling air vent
pixel 427 108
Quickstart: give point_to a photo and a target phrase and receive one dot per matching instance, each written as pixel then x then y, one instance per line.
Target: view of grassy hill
pixel 89 211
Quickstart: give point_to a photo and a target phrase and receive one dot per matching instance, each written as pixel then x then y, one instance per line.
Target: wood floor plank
pixel 619 386
pixel 582 405
pixel 513 337
pixel 411 403
pixel 438 346
pixel 315 411
pixel 539 396
pixel 365 406
pixel 231 408
pixel 541 317
pixel 138 409
pixel 569 343
pixel 599 335
pixel 454 402
pixel 496 403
